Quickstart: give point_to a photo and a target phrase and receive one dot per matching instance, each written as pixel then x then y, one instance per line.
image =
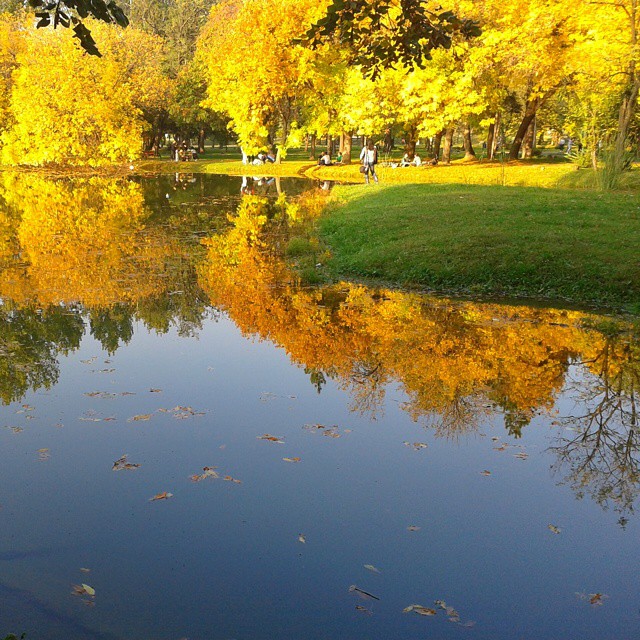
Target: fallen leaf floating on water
pixel 452 614
pixel 521 456
pixel 83 590
pixel 155 390
pixel 330 432
pixel 43 454
pixel 207 472
pixel 28 407
pixel 364 610
pixel 554 529
pixel 413 527
pixel 85 570
pixel 121 463
pixel 301 538
pixel 15 429
pixel 416 446
pixel 291 459
pixel 485 473
pixel 420 610
pixel 371 568
pixel 182 413
pixel 141 417
pixel 161 496
pixel 595 599
pixel 231 479
pixel 90 360
pixel 270 438
pixel 365 595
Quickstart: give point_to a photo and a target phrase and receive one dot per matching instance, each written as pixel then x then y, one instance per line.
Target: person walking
pixel 369 160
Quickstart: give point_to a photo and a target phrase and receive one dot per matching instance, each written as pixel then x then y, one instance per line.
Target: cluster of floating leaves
pixel 84 591
pixel 330 432
pixel 107 395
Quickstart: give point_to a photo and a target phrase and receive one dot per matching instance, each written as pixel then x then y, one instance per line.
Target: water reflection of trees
pixel 458 361
pixel 601 458
pixel 30 343
pixel 90 253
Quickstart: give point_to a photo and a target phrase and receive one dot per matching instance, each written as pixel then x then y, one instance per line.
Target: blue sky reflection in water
pixel 223 560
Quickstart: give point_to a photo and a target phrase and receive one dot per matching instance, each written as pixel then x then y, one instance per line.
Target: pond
pixel 197 443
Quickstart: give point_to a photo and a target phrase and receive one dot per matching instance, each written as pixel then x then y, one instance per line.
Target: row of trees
pixel 535 65
pixel 59 105
pixel 280 71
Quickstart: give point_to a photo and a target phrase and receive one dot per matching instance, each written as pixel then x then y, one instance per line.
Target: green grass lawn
pixel 514 241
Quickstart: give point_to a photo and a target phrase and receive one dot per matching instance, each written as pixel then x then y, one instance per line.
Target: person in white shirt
pixel 369 159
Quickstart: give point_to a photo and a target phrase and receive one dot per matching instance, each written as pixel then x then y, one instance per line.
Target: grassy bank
pixel 520 241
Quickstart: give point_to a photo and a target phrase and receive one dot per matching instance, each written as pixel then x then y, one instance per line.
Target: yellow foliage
pixel 69 108
pixel 456 360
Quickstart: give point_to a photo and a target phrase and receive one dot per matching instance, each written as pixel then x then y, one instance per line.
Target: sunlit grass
pixel 552 243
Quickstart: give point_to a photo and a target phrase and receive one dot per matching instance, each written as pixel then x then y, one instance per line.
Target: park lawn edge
pixel 520 243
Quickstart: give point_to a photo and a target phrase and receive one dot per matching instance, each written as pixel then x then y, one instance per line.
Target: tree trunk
pixel 530 140
pixel 388 141
pixel 491 136
pixel 491 150
pixel 448 143
pixel 346 147
pixel 201 139
pixel 437 140
pixel 529 115
pixel 410 140
pixel 312 155
pixel 625 116
pixel 469 153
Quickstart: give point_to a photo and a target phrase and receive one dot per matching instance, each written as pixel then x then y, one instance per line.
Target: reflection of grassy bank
pixel 477 239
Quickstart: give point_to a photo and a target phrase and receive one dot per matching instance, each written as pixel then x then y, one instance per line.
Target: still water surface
pixel 421 449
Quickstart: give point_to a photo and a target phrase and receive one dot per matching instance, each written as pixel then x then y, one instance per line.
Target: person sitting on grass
pixel 325 160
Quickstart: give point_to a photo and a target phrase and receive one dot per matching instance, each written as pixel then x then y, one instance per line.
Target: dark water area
pixel 474 463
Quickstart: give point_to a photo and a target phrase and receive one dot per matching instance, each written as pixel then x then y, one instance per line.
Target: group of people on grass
pixel 369 160
pixel 183 152
pixel 262 158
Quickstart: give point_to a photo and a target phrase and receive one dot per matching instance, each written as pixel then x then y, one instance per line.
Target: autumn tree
pixel 94 116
